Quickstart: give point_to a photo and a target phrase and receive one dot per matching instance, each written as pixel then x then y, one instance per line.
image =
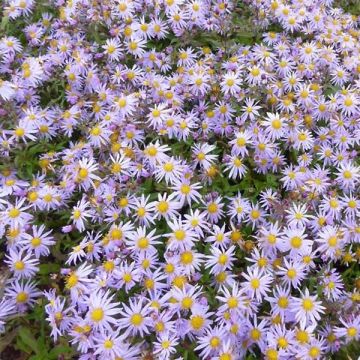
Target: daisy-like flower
pixel 22 294
pixel 140 241
pixel 102 311
pixel 166 206
pixel 164 347
pixel 156 153
pixel 77 254
pixel 190 261
pixel 199 320
pixel 236 167
pixel 313 350
pixel 257 283
pixel 250 109
pixel 240 144
pixel 202 156
pixel 280 302
pixel 135 46
pixel 80 213
pixel 220 260
pixel 121 165
pixel 350 329
pixel 297 216
pixel 158 115
pixel 303 140
pixel 15 215
pixel 125 105
pixel 348 176
pixel 186 298
pixel 99 135
pixel 7 90
pixel 239 208
pixel 135 318
pixel 181 236
pixel 196 221
pixel 127 275
pixel 211 341
pixel 333 285
pixel 186 57
pixel 39 242
pixel 270 237
pixel 214 209
pixel 275 126
pixel 292 272
pixel 143 210
pixel 185 191
pixel 219 236
pixel 254 215
pixel 233 301
pixel 231 83
pixel 330 242
pixel 112 49
pixel 307 309
pixel 295 241
pixel 23 266
pixel 6 308
pixel 170 170
pixel 108 344
pixel 78 280
pixel 84 173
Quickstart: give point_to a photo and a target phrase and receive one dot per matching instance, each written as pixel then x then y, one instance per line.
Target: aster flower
pixel 307 309
pixel 257 283
pixel 134 318
pixel 80 213
pixel 15 215
pixel 6 309
pixel 39 242
pixel 84 173
pixel 101 310
pixel 23 266
pixel 22 294
pixel 350 329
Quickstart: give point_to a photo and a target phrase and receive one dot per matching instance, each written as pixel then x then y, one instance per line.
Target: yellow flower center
pixel 351 331
pixel 83 173
pixel 187 258
pixel 19 265
pixel 71 281
pixel 143 243
pixel 232 302
pixel 212 208
pixel 255 334
pixel 186 303
pixel 97 314
pixel 307 304
pixel 36 241
pixel 22 297
pixel 14 213
pixel 314 352
pixel 296 242
pixel 255 283
pixel 283 302
pixel 136 319
pixel 163 206
pixel 108 344
pixel 197 322
pixel 179 235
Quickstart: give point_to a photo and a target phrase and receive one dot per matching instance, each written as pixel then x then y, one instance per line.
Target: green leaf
pixel 4 22
pixel 49 268
pixel 59 350
pixel 28 339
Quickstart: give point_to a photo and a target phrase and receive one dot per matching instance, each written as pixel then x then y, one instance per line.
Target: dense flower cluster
pixel 205 198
